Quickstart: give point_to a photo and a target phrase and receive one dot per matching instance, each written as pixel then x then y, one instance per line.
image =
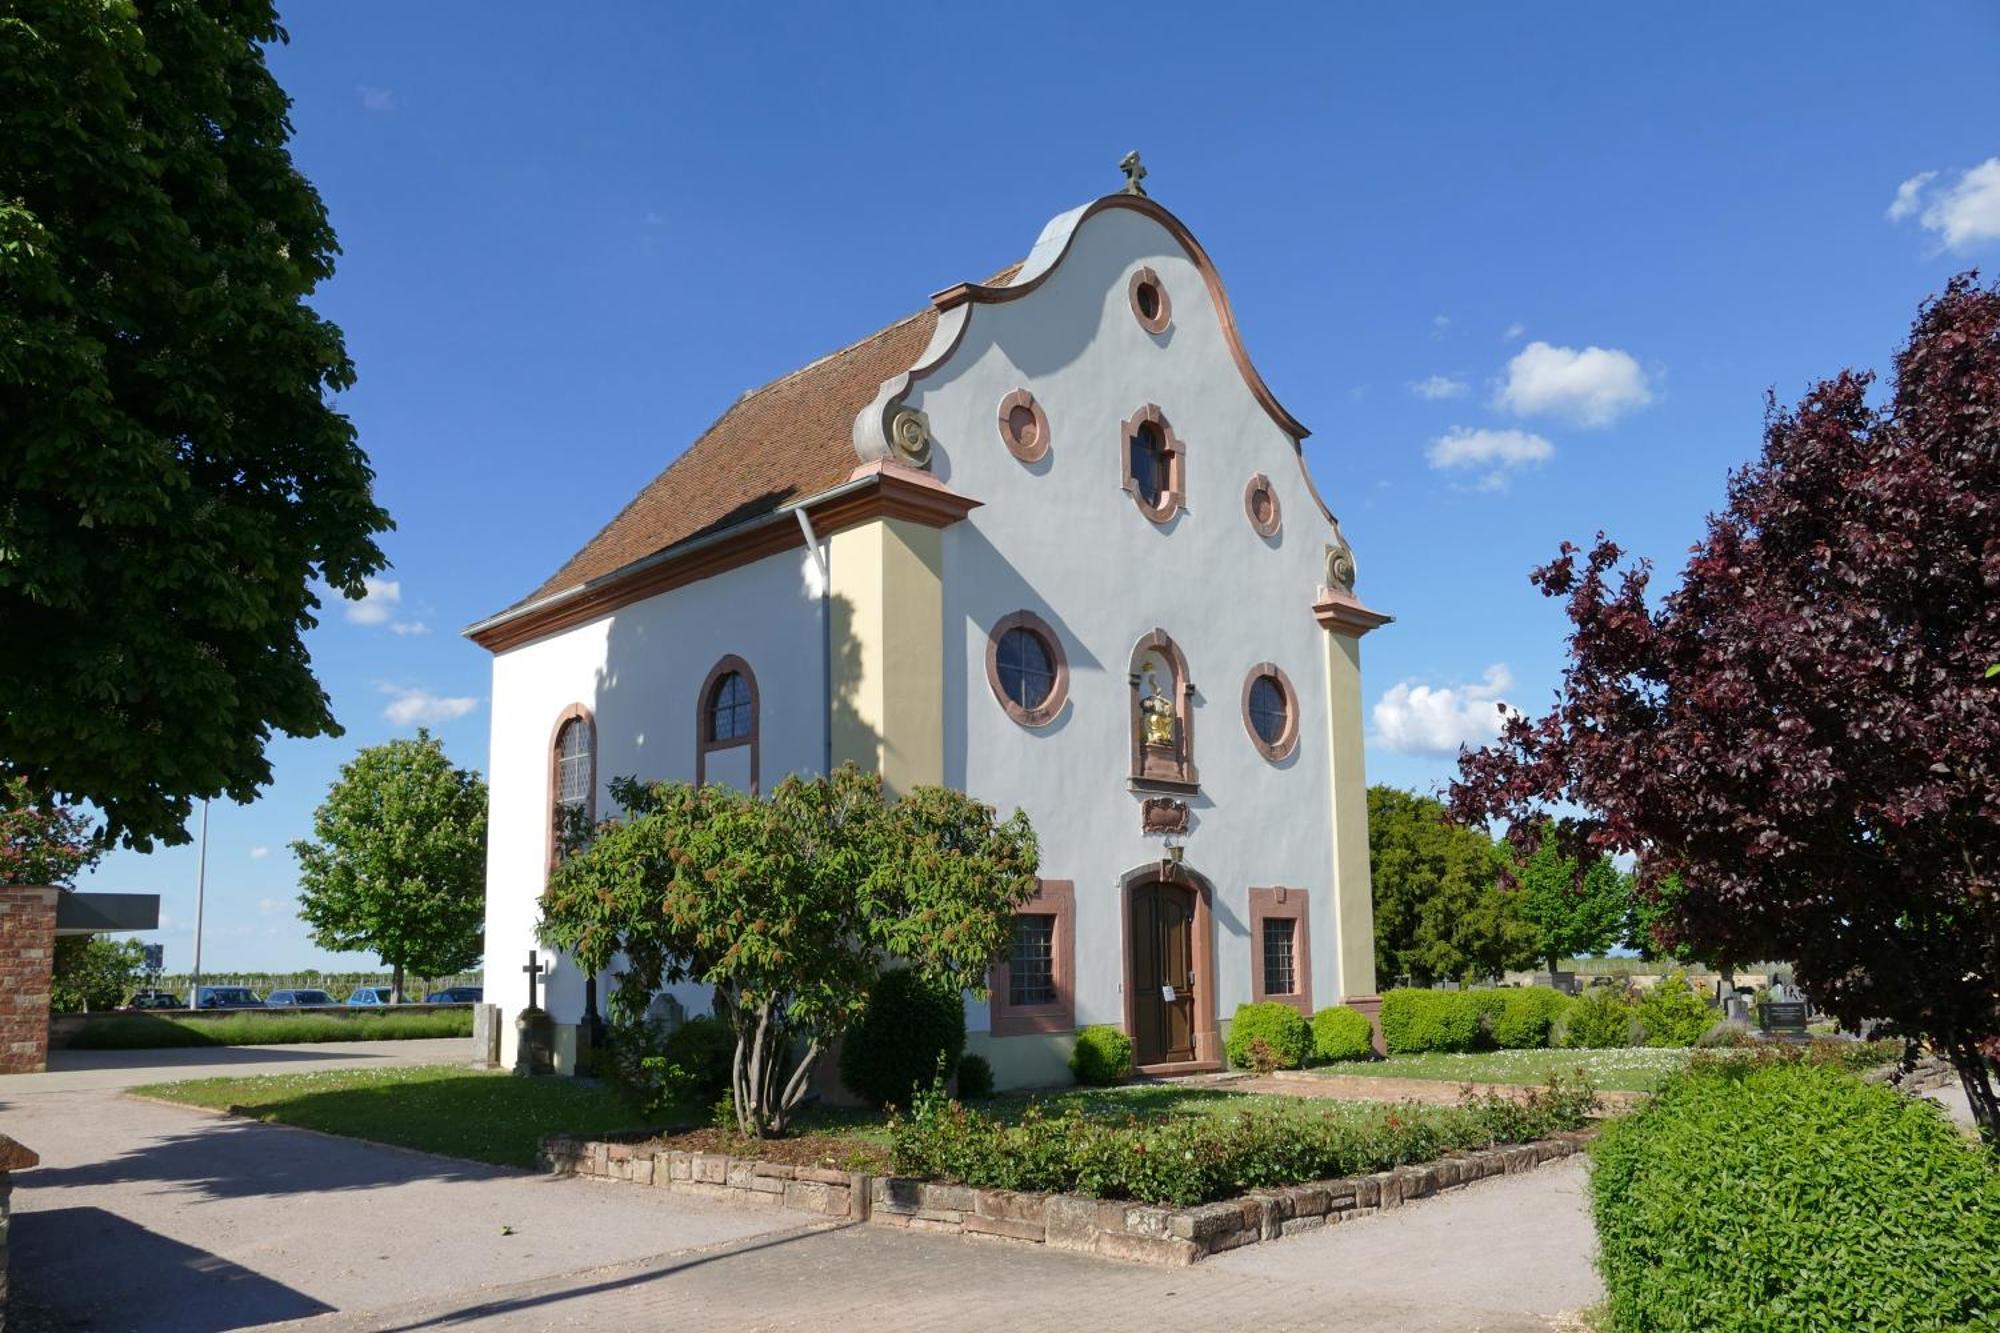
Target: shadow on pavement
pixel 181 1057
pixel 666 1271
pixel 91 1268
pixel 217 1159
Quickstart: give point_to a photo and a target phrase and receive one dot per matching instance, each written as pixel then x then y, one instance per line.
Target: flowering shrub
pixel 41 842
pixel 1195 1159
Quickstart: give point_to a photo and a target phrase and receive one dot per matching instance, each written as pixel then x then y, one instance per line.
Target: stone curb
pixel 1106 1228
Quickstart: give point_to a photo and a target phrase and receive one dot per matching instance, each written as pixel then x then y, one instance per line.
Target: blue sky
pixel 1526 271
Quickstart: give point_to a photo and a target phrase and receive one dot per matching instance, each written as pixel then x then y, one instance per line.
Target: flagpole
pixel 200 897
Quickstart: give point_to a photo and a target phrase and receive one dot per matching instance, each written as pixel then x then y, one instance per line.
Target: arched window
pixel 729 708
pixel 1154 465
pixel 1026 668
pixel 727 718
pixel 1162 715
pixel 572 779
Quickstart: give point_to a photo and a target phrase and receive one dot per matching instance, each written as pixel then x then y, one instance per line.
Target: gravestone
pixel 664 1016
pixel 485 1036
pixel 534 1030
pixel 1783 1018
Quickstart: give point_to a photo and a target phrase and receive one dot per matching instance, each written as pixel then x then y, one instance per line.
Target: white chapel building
pixel 1050 541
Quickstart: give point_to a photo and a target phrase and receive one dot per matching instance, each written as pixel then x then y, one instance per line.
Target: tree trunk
pixel 396 984
pixel 1976 1077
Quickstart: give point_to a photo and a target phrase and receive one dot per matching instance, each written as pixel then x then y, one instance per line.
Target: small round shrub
pixel 1527 1016
pixel 1102 1056
pixel 1341 1033
pixel 1671 1014
pixel 1415 1021
pixel 1281 1028
pixel 975 1078
pixel 911 1030
pixel 1600 1017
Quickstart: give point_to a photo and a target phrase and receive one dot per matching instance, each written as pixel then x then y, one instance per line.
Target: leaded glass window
pixel 1031 967
pixel 573 766
pixel 1026 673
pixel 730 712
pixel 1281 973
pixel 1149 463
pixel 1269 709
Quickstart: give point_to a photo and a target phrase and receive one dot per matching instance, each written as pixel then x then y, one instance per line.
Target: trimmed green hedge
pixel 1415 1021
pixel 1527 1016
pixel 1342 1033
pixel 1102 1056
pixel 1780 1194
pixel 141 1032
pixel 1671 1014
pixel 1280 1027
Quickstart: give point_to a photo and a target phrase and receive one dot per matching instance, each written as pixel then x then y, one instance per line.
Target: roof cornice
pixel 880 490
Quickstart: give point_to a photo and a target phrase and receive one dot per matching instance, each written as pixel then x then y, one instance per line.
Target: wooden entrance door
pixel 1162 982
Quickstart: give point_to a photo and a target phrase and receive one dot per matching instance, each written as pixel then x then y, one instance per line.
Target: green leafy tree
pixel 397 861
pixel 1441 911
pixel 94 972
pixel 1576 906
pixel 788 905
pixel 174 478
pixel 42 842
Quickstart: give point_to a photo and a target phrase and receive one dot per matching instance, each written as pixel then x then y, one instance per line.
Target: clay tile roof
pixel 790 439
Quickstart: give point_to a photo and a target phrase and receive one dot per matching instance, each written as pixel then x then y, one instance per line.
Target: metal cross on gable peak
pixel 1135 172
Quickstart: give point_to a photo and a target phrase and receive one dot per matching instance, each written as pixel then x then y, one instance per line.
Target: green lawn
pixel 498 1118
pixel 460 1112
pixel 1621 1069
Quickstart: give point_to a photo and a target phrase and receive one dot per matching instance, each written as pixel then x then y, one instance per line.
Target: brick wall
pixel 27 959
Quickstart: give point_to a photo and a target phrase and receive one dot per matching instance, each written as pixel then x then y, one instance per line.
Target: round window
pixel 1024 664
pixel 1260 504
pixel 1150 305
pixel 1270 711
pixel 1024 426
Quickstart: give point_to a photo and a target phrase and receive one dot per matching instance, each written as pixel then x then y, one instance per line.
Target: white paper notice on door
pixel 1169 994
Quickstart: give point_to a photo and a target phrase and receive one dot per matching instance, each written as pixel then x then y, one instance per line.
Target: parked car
pixel 153 999
pixel 456 995
pixel 292 999
pixel 226 997
pixel 367 997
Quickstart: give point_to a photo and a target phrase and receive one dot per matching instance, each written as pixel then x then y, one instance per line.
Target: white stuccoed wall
pixel 639 671
pixel 1060 538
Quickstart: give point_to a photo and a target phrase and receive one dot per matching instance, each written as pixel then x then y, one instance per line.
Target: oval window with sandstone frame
pixel 1026 668
pixel 1260 505
pixel 1271 711
pixel 1150 304
pixel 1024 426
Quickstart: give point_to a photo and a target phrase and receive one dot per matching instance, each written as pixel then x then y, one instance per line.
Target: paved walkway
pixel 146 1216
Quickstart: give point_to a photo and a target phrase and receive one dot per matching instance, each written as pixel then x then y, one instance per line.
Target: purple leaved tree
pixel 1804 731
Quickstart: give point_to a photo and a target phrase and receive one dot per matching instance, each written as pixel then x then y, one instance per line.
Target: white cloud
pixel 1434 387
pixel 1592 387
pixel 409 627
pixel 1513 331
pixel 1964 213
pixel 1436 720
pixel 1440 325
pixel 1500 452
pixel 1909 196
pixel 412 707
pixel 376 99
pixel 259 853
pixel 378 602
pixel 269 905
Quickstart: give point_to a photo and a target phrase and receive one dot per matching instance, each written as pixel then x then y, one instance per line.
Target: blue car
pixel 371 997
pixel 456 995
pixel 226 997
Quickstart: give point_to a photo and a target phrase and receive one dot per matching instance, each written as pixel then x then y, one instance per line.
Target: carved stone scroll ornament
pixel 1163 814
pixel 1340 564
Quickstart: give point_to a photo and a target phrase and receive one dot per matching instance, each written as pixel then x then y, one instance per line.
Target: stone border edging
pixel 1107 1228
